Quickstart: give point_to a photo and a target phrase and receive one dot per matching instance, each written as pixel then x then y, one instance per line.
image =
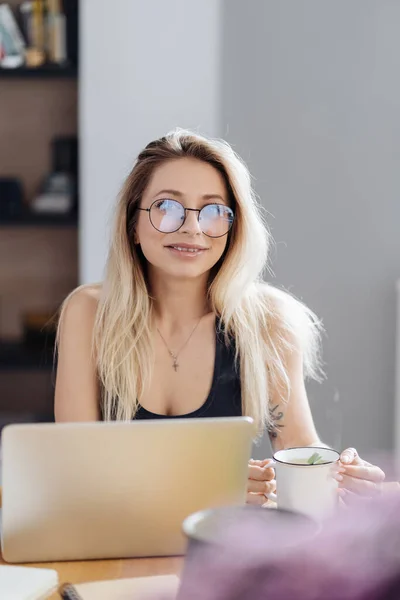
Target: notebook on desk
pixel 161 587
pixel 78 491
pixel 26 583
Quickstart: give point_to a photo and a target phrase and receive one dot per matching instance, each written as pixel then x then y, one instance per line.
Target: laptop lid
pixel 75 491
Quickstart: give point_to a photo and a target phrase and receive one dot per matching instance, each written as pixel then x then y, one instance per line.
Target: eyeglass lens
pixel 168 216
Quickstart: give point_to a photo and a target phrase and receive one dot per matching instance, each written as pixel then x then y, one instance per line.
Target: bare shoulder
pixel 80 307
pixel 84 298
pixel 76 393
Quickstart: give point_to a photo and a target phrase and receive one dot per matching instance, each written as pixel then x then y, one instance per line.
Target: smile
pixel 191 251
pixel 181 249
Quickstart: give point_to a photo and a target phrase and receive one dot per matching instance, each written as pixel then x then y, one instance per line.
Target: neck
pixel 178 303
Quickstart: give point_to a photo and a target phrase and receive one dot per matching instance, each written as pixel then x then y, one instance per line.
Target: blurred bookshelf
pixel 18 356
pixel 42 72
pixel 30 219
pixel 39 216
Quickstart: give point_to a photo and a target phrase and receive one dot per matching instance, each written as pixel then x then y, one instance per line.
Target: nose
pixel 191 224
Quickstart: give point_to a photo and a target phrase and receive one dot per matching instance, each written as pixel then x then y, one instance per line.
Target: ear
pixel 136 239
pixel 131 225
pixel 134 233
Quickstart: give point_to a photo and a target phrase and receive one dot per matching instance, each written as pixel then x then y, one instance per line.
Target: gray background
pixel 311 96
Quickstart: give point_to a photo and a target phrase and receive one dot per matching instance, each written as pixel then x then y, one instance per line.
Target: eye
pixel 218 210
pixel 161 204
pixel 166 204
pixel 212 209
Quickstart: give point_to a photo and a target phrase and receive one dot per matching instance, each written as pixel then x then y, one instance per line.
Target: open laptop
pixel 76 491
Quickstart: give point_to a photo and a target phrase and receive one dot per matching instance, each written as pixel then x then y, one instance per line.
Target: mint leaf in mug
pixel 315 459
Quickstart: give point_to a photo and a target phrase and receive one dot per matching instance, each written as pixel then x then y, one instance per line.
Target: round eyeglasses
pixel 167 216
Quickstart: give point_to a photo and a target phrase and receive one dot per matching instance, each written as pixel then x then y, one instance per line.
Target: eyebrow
pixel 180 195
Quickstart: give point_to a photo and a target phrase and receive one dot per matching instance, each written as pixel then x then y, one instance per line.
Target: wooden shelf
pixel 44 72
pixel 29 219
pixel 19 356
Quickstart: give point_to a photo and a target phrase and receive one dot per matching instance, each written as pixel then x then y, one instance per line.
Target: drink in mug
pixel 305 481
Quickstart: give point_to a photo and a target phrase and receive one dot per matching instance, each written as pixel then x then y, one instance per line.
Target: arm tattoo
pixel 275 418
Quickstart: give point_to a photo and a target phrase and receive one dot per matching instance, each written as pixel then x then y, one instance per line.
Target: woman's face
pixel 188 252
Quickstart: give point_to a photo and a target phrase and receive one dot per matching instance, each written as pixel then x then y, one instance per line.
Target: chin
pixel 187 273
pixel 180 270
pixel 183 271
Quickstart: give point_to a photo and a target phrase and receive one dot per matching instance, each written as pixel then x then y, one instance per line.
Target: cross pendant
pixel 175 364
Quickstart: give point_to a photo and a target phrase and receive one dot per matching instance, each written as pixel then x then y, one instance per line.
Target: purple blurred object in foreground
pixel 355 556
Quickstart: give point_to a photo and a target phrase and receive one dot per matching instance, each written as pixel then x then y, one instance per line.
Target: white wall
pixel 311 100
pixel 146 68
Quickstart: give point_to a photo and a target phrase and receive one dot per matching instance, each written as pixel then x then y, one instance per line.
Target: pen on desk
pixel 68 592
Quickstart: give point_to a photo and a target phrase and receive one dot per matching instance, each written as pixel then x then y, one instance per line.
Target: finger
pixel 267 462
pixel 366 471
pixel 346 497
pixel 348 456
pixel 255 499
pixel 261 487
pixel 261 473
pixel 269 503
pixel 261 463
pixel 341 504
pixel 361 487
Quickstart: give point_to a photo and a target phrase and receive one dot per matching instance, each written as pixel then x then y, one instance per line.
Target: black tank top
pixel 224 399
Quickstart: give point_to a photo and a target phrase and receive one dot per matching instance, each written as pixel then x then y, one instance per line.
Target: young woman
pixel 183 324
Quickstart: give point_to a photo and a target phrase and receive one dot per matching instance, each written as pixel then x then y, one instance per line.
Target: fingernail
pixel 339 477
pixel 345 459
pixel 341 470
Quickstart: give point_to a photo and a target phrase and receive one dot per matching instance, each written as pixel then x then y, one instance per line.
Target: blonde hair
pixel 265 323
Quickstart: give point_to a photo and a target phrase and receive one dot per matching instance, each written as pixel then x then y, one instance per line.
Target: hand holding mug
pixel 357 476
pixel 261 481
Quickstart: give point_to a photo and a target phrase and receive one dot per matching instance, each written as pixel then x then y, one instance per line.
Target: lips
pixel 187 248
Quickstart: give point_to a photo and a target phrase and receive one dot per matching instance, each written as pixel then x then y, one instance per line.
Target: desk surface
pixel 100 570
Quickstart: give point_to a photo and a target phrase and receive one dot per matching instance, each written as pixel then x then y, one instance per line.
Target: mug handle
pixel 272 496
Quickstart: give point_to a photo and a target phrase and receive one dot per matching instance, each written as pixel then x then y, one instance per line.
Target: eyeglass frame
pixel 198 210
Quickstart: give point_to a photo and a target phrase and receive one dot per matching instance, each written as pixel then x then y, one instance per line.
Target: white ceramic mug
pixel 310 489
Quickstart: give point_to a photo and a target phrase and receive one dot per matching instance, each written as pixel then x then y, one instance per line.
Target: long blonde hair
pixel 264 322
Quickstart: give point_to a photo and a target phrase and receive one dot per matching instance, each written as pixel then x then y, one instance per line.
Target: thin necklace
pixel 174 355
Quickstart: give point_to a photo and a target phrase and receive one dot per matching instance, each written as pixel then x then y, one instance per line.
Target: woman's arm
pixel 77 392
pixel 293 421
pixel 294 426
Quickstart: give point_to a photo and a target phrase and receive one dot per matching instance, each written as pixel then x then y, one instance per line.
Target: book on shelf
pixel 39 33
pixel 12 43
